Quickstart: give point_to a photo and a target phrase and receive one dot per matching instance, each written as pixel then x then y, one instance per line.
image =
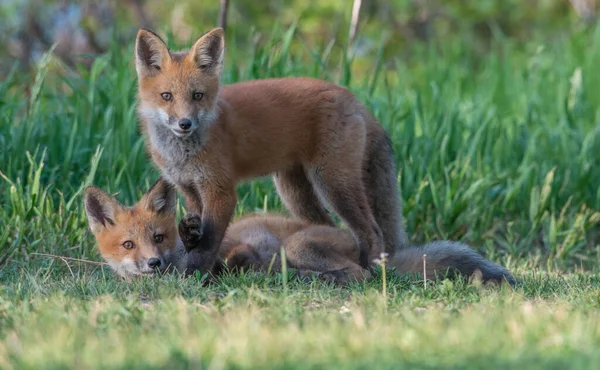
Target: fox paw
pixel 345 276
pixel 335 276
pixel 190 230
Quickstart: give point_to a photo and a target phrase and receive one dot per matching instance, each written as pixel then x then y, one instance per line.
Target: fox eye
pixel 197 96
pixel 128 245
pixel 167 96
pixel 158 238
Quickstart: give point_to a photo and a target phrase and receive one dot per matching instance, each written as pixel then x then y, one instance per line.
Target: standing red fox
pixel 319 141
pixel 143 239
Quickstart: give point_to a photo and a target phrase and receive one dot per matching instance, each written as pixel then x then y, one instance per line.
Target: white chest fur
pixel 179 154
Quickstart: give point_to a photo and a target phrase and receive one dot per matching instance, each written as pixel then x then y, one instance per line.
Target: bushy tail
pixel 448 259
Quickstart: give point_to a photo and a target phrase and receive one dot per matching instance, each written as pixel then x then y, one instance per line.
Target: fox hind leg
pixel 298 195
pixel 344 191
pixel 380 177
pixel 321 259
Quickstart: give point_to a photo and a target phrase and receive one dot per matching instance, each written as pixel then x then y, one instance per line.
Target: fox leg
pixel 190 232
pixel 297 193
pixel 218 206
pixel 314 257
pixel 193 201
pixel 344 191
pixel 340 277
pixel 380 178
pixel 242 257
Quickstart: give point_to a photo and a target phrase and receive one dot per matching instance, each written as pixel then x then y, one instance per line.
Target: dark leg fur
pixel 218 206
pixel 198 259
pixel 380 178
pixel 339 277
pixel 347 197
pixel 299 197
pixel 322 260
pixel 243 257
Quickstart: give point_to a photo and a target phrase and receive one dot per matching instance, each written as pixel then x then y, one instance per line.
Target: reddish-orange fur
pixel 130 225
pixel 315 137
pixel 255 242
pixel 114 224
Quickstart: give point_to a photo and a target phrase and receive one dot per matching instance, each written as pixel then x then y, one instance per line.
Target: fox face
pixel 136 240
pixel 178 90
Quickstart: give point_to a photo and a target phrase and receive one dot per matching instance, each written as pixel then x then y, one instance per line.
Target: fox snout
pixel 185 124
pixel 152 265
pixel 182 126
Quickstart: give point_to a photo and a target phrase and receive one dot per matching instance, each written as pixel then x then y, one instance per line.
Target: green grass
pixel 94 321
pixel 498 150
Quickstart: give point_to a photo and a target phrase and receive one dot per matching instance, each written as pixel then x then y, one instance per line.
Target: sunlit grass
pixel 93 320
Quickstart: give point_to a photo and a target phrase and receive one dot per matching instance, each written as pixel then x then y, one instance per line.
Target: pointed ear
pixel 207 53
pixel 101 209
pixel 161 198
pixel 151 53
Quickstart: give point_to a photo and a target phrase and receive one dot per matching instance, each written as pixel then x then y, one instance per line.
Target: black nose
pixel 185 124
pixel 153 263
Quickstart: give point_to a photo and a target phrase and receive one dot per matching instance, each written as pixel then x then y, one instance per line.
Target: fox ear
pixel 151 53
pixel 161 198
pixel 207 53
pixel 101 209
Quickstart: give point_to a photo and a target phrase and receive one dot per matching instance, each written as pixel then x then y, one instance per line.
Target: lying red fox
pixel 144 239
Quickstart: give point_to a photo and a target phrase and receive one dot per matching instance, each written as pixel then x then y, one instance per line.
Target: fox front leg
pixel 198 259
pixel 193 200
pixel 218 207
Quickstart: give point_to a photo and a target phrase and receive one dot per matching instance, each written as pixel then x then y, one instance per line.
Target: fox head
pixel 136 240
pixel 178 90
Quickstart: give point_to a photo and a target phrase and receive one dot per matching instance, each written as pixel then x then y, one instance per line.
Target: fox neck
pixel 174 149
pixel 179 149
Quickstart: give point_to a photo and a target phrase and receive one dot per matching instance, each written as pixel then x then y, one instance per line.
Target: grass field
pixel 500 151
pixel 92 320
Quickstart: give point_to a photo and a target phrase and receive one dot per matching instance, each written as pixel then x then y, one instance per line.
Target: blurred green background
pixel 85 28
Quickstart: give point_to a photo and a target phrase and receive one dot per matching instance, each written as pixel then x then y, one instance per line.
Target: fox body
pixel 143 239
pixel 320 143
pixel 332 254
